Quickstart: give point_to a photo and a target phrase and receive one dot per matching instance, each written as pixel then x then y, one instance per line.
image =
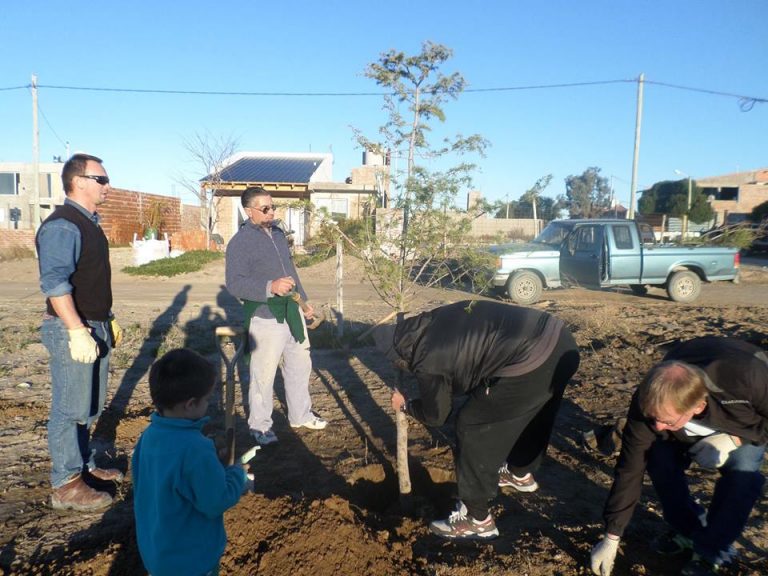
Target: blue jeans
pixel 78 394
pixel 736 492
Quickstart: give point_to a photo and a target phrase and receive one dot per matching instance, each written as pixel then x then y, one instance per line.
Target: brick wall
pixel 190 217
pixel 17 238
pixel 126 212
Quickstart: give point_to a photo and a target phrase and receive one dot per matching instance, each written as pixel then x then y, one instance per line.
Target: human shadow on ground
pixel 233 316
pixel 106 428
pixel 113 530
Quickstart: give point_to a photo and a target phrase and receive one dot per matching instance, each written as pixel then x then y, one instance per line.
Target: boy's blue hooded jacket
pixel 181 491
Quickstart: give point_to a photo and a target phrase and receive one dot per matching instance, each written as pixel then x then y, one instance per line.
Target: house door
pixel 294 220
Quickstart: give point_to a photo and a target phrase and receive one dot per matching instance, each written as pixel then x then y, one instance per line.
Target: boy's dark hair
pixel 178 376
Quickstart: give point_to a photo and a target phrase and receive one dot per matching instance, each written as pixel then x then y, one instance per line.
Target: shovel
pixel 315 320
pixel 223 335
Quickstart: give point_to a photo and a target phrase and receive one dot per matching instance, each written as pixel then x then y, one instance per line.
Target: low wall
pixel 17 239
pixel 125 214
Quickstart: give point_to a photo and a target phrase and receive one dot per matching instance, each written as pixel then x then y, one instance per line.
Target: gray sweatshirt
pixel 254 260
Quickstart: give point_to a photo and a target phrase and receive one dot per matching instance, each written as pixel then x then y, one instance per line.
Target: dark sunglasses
pixel 263 209
pixel 103 180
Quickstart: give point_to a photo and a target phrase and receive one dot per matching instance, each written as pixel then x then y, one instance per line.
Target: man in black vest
pixel 79 332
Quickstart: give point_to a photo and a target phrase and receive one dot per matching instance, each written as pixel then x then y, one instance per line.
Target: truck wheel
pixel 524 287
pixel 684 286
pixel 638 289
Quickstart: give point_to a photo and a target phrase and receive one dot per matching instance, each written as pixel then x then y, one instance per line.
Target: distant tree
pixel 546 208
pixel 549 208
pixel 671 197
pixel 587 195
pixel 759 212
pixel 506 209
pixel 209 154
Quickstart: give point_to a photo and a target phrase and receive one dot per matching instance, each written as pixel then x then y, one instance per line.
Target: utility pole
pixel 636 155
pixel 35 159
pixel 506 201
pixel 685 222
pixel 684 233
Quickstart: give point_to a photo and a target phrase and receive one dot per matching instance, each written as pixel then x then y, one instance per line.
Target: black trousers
pixel 510 421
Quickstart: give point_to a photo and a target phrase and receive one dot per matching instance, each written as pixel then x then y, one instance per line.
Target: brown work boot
pixel 77 495
pixel 107 474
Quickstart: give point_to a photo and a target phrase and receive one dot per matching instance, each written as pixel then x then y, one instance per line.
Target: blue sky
pixel 302 46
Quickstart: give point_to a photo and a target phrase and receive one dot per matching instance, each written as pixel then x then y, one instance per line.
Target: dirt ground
pixel 326 503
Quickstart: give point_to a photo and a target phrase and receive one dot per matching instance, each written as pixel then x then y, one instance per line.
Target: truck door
pixel 581 257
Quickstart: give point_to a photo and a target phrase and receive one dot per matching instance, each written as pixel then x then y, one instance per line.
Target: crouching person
pixel 707 402
pixel 180 487
pixel 513 364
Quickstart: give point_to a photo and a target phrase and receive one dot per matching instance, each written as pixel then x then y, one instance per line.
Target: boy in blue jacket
pixel 181 489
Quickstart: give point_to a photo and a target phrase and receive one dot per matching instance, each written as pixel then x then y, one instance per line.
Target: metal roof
pixel 271 169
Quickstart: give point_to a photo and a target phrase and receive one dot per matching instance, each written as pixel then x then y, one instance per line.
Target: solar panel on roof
pixel 274 169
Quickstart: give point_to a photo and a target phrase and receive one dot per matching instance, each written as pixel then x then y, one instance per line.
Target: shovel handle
pixel 315 320
pixel 222 334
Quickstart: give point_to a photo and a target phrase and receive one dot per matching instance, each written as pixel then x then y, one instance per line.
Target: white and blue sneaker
pixel 264 438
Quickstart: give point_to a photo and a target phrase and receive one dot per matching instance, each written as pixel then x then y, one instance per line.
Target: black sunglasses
pixel 103 180
pixel 263 209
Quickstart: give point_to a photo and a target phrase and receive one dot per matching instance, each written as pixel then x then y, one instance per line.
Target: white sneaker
pixel 314 423
pixel 525 484
pixel 461 526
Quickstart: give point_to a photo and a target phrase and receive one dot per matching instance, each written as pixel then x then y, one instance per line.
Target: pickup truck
pixel 602 253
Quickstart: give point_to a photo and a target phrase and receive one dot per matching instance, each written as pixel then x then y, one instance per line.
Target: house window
pixel 335 207
pixel 9 183
pixel 722 193
pixel 46 185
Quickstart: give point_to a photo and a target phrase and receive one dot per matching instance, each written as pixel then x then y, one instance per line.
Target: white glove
pixel 82 346
pixel 603 555
pixel 712 452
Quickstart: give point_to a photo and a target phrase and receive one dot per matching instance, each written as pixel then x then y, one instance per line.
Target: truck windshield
pixel 553 235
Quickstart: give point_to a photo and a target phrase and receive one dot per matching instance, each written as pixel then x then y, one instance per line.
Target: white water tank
pixel 372 159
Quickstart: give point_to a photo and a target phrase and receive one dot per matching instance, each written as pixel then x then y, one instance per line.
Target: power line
pixel 42 113
pixel 311 94
pixel 746 102
pixel 207 92
pixel 50 126
pixel 546 86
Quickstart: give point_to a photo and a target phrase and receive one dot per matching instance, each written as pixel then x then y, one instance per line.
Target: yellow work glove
pixel 117 332
pixel 82 346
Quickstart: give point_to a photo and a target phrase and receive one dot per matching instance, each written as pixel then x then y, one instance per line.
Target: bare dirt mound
pixel 326 502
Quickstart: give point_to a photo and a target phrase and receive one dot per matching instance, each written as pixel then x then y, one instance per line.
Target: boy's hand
pixel 248 486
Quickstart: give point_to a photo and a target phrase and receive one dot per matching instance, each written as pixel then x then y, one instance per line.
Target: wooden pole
pixel 401 421
pixel 340 286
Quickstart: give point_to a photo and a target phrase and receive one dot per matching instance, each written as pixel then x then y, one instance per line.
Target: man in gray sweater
pixel 260 272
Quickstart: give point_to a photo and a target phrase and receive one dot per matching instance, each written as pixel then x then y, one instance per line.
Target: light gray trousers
pixel 272 346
